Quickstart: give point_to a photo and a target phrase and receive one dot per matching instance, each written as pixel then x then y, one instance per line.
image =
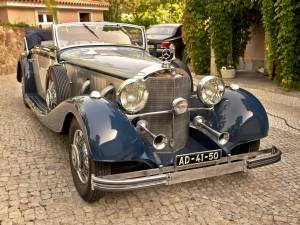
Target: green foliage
pixel 271 30
pixel 19 25
pixel 221 33
pixel 148 12
pixel 196 36
pixel 229 22
pixel 241 23
pixel 51 8
pixel 287 42
pixel 227 25
pixel 114 12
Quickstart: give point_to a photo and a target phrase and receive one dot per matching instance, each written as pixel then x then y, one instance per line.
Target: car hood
pixel 122 62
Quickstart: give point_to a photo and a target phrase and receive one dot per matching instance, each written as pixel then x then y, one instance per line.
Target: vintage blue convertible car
pixel 135 121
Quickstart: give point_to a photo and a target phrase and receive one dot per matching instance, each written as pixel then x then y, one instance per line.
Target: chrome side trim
pixel 172 175
pixel 26 46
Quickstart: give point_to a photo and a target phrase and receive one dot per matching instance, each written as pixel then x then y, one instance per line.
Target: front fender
pixel 241 114
pixel 111 135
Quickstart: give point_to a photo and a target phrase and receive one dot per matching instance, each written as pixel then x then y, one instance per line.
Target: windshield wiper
pixel 90 30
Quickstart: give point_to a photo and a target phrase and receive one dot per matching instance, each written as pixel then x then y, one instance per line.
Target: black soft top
pixel 36 36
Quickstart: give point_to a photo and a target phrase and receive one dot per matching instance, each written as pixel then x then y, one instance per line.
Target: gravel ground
pixel 36 185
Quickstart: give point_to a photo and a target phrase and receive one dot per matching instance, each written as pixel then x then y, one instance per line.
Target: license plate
pixel 198 157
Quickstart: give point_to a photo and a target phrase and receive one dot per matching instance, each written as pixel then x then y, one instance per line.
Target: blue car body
pixel 112 134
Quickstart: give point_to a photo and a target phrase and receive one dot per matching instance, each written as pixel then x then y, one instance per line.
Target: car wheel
pixel 82 166
pixel 58 87
pixel 179 64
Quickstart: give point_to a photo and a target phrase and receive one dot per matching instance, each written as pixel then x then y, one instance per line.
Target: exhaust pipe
pixel 220 138
pixel 160 141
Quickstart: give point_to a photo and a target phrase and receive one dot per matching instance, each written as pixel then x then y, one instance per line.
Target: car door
pixel 35 65
pixel 42 59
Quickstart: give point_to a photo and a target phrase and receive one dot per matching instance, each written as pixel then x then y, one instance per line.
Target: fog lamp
pixel 180 106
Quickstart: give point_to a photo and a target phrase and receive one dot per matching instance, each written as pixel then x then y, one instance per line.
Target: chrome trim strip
pixel 196 109
pixel 26 46
pixel 150 70
pixel 131 117
pixel 171 175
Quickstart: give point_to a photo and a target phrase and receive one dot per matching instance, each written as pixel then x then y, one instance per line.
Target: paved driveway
pixel 36 185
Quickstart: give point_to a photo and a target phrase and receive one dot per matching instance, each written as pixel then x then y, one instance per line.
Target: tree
pixel 51 7
pixel 148 12
pixel 115 10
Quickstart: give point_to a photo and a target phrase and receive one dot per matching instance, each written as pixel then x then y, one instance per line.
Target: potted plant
pixel 228 72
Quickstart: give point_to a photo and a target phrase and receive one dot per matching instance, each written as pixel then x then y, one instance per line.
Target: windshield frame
pixel 57 26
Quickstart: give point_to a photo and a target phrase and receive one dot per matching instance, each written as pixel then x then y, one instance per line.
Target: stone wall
pixel 11 46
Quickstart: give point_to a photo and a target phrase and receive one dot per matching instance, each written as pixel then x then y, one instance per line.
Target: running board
pixel 37 103
pixel 53 119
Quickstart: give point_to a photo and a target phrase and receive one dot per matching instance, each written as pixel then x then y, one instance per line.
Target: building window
pixel 45 18
pixel 84 17
pixel 49 18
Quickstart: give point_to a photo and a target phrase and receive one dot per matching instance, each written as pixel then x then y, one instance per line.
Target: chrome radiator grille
pixel 162 92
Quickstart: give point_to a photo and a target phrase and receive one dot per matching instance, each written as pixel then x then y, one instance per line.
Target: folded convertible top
pixel 36 36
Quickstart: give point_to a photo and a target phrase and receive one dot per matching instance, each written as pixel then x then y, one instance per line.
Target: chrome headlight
pixel 133 95
pixel 211 90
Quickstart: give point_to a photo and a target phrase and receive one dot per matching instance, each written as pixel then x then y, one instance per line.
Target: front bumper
pixel 172 175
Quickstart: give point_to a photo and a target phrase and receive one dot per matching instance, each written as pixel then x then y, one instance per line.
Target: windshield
pixel 102 34
pixel 161 30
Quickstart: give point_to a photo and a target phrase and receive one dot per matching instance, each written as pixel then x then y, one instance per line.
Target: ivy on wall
pixel 226 24
pixel 271 30
pixel 287 43
pixel 196 36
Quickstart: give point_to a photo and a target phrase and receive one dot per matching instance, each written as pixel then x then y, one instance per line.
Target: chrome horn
pixel 160 141
pixel 220 138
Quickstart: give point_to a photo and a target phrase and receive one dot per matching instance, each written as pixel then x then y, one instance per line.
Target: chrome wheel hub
pixel 79 157
pixel 51 97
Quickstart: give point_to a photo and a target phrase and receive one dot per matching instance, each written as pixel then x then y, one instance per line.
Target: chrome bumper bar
pixel 172 175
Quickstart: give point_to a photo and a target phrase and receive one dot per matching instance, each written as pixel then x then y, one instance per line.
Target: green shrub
pixel 19 25
pixel 196 36
pixel 227 25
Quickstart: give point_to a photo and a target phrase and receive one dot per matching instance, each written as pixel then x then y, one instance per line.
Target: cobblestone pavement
pixel 36 185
